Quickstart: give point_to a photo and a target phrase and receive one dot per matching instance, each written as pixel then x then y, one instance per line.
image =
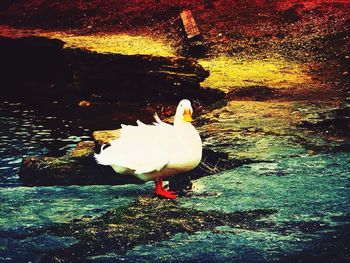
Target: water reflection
pixel 26 132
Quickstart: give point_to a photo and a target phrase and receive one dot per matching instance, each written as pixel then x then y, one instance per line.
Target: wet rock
pixel 76 168
pixel 253 186
pixel 102 137
pixel 334 121
pixel 258 93
pixel 145 221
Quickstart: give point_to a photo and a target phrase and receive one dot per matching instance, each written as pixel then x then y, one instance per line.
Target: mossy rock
pixel 145 221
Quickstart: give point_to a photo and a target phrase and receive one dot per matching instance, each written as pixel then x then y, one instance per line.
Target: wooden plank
pixel 189 24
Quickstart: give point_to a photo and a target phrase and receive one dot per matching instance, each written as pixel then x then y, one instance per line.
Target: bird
pixel 156 151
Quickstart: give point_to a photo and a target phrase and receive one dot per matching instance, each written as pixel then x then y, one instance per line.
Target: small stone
pixel 84 103
pixel 102 137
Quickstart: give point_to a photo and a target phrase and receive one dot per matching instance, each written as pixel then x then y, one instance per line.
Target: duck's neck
pixel 179 122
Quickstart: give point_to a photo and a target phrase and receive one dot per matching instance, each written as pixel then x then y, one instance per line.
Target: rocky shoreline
pixel 281 120
pixel 44 68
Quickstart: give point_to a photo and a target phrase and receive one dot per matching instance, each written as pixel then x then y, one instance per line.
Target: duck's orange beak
pixel 188 115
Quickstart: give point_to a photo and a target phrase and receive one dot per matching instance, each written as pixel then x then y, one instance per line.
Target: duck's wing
pixel 140 156
pixel 142 148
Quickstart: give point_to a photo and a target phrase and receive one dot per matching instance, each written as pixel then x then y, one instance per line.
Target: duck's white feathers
pixel 152 151
pixel 139 148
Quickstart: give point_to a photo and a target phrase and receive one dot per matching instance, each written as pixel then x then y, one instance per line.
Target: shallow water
pixel 25 131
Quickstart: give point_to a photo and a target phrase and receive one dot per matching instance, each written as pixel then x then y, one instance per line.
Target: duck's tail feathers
pixel 156 117
pixel 103 156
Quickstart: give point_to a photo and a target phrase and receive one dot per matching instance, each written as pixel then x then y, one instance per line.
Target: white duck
pixel 152 152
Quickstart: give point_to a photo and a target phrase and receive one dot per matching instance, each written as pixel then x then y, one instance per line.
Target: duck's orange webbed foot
pixel 160 191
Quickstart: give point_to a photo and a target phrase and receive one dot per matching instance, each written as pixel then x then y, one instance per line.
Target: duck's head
pixel 183 112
